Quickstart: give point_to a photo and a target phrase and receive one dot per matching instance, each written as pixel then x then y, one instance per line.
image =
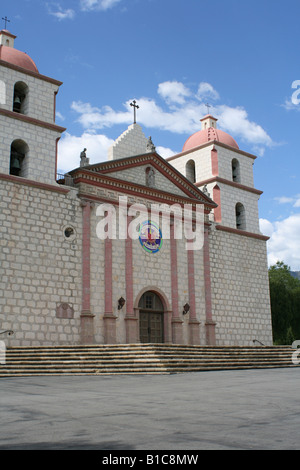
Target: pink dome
pixel 15 57
pixel 208 135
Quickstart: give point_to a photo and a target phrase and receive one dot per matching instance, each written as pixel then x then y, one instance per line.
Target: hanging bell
pixel 17 104
pixel 16 164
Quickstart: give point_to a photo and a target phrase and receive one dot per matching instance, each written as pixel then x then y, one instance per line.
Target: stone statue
pixel 150 146
pixel 84 161
pixel 150 179
pixel 205 191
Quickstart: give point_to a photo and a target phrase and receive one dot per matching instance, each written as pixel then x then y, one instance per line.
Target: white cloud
pixel 70 147
pixel 173 92
pixel 60 13
pixel 98 5
pixel 236 122
pixel 207 91
pixel 180 113
pixel 284 243
pixel 295 200
pixel 165 152
pixel 266 227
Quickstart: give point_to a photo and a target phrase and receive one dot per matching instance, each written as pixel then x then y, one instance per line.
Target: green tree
pixel 285 304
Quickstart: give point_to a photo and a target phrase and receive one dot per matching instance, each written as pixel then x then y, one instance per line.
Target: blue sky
pixel 173 56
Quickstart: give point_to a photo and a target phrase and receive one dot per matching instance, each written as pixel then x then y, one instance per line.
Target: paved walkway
pixel 197 411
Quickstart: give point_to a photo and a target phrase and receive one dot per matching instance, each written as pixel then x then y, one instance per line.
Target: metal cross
pixel 135 107
pixel 6 21
pixel 208 106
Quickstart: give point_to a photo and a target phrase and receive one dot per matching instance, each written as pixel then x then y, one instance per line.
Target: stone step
pixel 139 359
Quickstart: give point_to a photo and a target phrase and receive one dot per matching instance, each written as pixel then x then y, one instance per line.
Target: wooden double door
pixel 151 319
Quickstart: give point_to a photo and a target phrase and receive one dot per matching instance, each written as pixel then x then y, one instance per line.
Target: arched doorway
pixel 151 313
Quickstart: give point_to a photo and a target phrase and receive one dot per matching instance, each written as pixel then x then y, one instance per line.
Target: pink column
pixel 194 324
pixel 217 199
pixel 110 333
pixel 131 319
pixel 177 321
pixel 214 162
pixel 86 318
pixel 209 324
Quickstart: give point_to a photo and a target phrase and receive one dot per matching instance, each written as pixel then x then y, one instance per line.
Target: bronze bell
pixel 16 164
pixel 17 104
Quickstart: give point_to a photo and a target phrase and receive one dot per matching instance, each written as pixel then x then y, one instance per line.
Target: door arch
pixel 151 318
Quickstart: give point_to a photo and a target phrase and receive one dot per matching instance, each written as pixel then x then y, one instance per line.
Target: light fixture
pixel 121 303
pixel 186 309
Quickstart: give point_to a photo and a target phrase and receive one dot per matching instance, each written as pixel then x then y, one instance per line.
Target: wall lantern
pixel 121 303
pixel 186 309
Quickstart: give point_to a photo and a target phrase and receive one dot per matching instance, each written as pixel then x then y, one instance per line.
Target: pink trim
pixel 86 215
pixel 156 161
pixel 34 184
pixel 207 144
pixel 207 280
pixel 258 236
pixel 191 283
pixel 177 336
pixel 217 179
pixel 54 106
pixel 3 63
pixel 56 156
pixel 30 120
pixel 174 272
pixel 194 324
pixel 129 273
pixel 210 324
pixel 108 276
pixel 128 187
pixel 214 162
pixel 7 33
pixel 217 199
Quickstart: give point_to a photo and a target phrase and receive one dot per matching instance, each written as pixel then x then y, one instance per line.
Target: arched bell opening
pixel 20 101
pixel 236 173
pixel 18 152
pixel 190 171
pixel 240 215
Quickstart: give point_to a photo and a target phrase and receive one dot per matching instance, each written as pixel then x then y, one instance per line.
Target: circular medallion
pixel 150 237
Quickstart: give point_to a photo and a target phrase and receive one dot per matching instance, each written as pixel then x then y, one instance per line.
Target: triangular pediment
pixel 150 172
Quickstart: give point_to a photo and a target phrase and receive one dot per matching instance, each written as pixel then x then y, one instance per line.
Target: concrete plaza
pixel 250 409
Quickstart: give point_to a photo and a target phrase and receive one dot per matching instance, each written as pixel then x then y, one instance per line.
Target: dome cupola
pixel 209 133
pixel 11 55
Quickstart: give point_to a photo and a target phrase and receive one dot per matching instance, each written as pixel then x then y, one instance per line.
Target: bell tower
pixel 29 134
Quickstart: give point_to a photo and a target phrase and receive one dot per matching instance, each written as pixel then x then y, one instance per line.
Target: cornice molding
pixel 30 120
pixel 34 184
pixel 217 179
pixel 236 231
pixel 3 63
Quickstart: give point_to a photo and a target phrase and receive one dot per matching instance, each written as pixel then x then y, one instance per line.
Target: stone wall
pixel 40 267
pixel 240 289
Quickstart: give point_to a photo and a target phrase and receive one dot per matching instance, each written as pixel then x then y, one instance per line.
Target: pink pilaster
pixel 194 324
pixel 131 318
pixel 177 322
pixel 110 334
pixel 214 162
pixel 209 324
pixel 87 318
pixel 217 200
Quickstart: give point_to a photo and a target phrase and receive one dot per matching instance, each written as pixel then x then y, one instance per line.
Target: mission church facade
pixel 63 284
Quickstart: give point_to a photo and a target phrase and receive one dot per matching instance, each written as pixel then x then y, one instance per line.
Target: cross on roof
pixel 6 21
pixel 208 106
pixel 135 107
